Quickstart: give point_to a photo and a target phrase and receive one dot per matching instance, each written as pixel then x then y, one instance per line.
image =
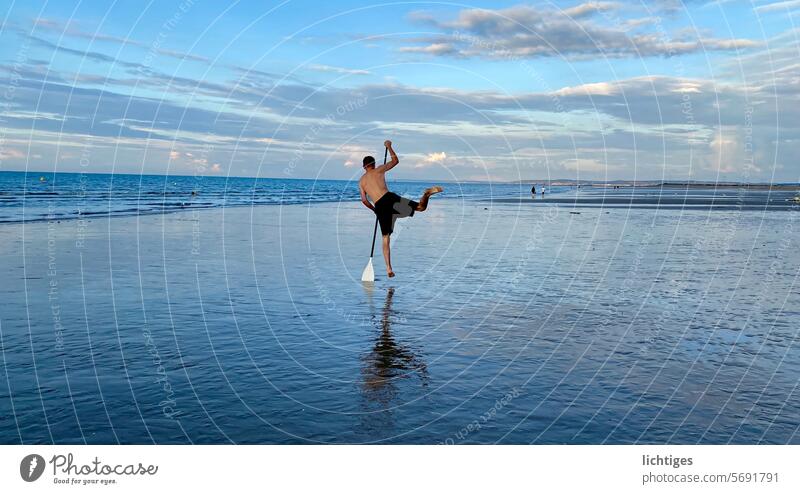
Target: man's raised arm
pixel 393 162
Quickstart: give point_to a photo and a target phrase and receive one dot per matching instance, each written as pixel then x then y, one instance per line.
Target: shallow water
pixel 508 323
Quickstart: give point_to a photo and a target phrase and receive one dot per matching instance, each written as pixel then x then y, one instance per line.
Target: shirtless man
pixel 388 206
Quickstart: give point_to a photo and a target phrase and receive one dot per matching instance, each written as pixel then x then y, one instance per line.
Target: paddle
pixel 369 272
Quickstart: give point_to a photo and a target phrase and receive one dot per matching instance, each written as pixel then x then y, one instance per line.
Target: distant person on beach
pixel 388 206
pixel 543 190
pixel 533 190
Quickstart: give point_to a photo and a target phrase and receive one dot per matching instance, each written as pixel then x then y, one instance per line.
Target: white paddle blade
pixel 369 272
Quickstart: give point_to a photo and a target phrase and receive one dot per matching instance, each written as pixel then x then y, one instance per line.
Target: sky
pixel 490 91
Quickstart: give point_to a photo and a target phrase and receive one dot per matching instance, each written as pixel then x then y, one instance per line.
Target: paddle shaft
pixel 375 231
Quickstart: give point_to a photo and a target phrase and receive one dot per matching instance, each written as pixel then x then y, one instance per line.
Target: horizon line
pixel 510 182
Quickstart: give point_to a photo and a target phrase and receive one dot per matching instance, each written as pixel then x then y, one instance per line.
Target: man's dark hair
pixel 369 160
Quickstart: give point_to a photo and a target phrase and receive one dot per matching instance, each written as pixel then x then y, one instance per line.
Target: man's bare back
pixel 374 184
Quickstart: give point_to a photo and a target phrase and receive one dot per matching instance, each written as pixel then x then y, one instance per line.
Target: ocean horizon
pixel 33 196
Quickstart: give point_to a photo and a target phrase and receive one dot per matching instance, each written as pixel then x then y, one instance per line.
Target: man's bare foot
pixel 434 190
pixel 390 273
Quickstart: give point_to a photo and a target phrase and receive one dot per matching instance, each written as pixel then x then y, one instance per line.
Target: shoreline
pixel 183 210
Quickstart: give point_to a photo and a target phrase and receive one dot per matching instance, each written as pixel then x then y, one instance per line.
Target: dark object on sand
pixel 574 212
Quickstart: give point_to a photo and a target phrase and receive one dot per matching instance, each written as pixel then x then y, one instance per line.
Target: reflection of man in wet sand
pixel 388 206
pixel 388 361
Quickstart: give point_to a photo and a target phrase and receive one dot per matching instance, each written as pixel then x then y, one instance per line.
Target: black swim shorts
pixel 390 207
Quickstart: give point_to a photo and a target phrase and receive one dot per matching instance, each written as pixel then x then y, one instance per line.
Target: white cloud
pixel 432 159
pixel 525 31
pixel 337 70
pixel 589 8
pixel 431 49
pixel 11 153
pixel 593 89
pixel 354 154
pixel 71 30
pixel 730 152
pixel 723 149
pixel 785 6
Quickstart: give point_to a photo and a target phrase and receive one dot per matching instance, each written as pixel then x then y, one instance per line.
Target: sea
pixel 31 196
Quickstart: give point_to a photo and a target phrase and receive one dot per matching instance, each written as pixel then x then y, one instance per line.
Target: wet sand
pixel 507 322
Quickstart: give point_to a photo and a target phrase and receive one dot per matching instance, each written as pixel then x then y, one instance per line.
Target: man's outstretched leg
pixel 387 256
pixel 423 201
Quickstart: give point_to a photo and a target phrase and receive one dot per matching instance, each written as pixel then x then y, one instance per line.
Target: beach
pixel 508 322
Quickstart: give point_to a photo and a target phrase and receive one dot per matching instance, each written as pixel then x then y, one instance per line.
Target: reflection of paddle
pixel 369 272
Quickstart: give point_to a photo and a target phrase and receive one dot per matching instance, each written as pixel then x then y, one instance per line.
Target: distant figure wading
pixel 388 206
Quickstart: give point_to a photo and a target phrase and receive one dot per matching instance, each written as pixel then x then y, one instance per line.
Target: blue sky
pixel 478 91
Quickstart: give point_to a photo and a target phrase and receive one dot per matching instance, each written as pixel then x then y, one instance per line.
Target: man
pixel 388 206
